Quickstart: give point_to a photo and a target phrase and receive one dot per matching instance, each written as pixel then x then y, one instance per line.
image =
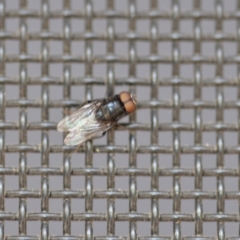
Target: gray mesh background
pixel 170 170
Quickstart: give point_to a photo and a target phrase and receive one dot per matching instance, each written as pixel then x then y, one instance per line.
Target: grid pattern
pixel 201 133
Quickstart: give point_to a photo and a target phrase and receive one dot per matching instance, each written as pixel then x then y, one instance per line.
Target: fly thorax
pixel 111 111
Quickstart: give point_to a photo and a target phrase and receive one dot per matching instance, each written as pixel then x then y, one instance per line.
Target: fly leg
pixel 78 147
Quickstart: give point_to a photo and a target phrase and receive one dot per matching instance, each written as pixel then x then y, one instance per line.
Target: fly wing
pixel 77 118
pixel 82 124
pixel 86 132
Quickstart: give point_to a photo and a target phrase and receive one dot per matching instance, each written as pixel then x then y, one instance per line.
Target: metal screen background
pixel 171 170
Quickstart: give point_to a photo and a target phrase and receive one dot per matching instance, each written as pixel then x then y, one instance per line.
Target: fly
pixel 94 118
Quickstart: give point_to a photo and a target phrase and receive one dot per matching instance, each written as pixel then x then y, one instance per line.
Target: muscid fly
pixel 94 118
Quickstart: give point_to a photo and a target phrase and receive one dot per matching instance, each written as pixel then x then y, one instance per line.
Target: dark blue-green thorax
pixel 111 110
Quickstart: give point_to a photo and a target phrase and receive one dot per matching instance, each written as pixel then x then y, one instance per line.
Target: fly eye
pixel 124 97
pixel 130 106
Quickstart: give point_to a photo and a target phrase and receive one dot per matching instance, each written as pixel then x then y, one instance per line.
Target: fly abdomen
pixel 112 110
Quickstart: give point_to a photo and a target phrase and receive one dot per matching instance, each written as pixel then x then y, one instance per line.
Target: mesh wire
pixel 30 208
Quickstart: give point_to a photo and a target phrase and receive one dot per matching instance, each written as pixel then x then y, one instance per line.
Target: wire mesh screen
pixel 168 171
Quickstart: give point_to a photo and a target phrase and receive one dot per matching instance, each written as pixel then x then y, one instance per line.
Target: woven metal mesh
pixel 170 170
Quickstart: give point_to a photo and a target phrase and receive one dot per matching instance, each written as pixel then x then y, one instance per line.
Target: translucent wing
pixel 78 117
pixel 82 124
pixel 89 131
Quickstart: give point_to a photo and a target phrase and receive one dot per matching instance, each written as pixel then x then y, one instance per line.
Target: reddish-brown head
pixel 128 101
